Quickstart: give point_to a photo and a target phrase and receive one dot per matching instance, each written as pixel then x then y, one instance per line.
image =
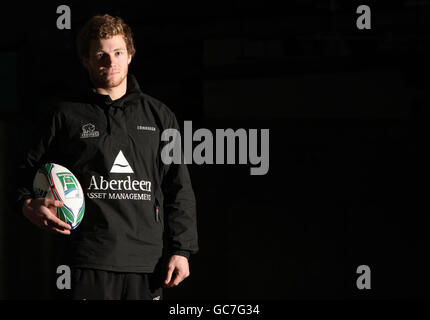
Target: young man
pixel 130 242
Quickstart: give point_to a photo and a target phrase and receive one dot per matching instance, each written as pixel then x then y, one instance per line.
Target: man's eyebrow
pixel 117 49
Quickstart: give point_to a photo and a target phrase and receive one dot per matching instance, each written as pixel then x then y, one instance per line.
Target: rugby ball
pixel 53 181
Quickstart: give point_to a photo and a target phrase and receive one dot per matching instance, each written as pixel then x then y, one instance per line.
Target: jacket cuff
pixel 183 253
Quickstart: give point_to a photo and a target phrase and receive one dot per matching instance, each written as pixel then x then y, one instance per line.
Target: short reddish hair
pixel 103 27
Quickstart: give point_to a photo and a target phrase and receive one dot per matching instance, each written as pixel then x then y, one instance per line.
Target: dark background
pixel 347 113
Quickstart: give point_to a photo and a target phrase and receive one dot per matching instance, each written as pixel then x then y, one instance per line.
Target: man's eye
pixel 118 53
pixel 99 55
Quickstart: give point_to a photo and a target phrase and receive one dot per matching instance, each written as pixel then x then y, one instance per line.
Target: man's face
pixel 108 61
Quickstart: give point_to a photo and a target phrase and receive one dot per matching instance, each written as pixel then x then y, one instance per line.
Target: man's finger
pixel 56 222
pixel 178 279
pixel 169 275
pixel 44 223
pixel 59 230
pixel 52 203
pixel 52 219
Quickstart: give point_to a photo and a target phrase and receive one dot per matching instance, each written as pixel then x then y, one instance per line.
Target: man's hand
pixel 177 270
pixel 41 212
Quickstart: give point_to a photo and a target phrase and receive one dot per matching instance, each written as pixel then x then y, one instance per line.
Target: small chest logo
pixel 89 131
pixel 145 128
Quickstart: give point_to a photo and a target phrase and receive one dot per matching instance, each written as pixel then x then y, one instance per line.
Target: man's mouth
pixel 109 73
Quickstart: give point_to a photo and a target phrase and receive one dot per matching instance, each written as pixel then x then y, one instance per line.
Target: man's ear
pixel 129 59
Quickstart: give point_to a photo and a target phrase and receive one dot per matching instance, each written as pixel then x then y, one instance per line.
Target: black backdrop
pixel 347 113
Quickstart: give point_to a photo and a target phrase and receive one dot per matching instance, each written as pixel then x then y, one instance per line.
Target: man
pixel 109 135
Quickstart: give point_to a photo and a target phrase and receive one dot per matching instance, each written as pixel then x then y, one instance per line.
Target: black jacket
pixel 133 200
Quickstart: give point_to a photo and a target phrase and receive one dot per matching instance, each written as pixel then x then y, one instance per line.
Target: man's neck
pixel 116 92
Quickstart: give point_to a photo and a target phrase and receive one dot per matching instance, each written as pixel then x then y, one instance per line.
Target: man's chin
pixel 108 83
pixel 112 83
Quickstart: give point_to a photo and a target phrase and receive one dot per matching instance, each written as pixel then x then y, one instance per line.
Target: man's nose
pixel 108 60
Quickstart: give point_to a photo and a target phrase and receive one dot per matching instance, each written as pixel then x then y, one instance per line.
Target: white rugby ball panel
pixel 57 182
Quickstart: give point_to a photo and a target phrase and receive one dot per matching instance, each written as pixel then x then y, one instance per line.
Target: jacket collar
pixel 133 93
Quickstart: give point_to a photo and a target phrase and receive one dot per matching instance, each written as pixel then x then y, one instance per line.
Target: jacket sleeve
pixel 179 206
pixel 36 152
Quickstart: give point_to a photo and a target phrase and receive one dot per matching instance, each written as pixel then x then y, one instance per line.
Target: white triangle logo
pixel 121 165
